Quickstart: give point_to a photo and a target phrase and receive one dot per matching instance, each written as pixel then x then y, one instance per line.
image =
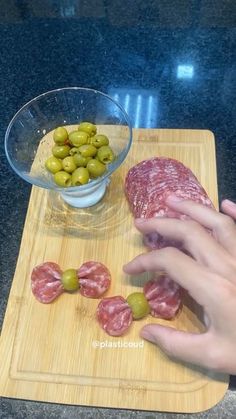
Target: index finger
pixel 222 225
pixel 180 267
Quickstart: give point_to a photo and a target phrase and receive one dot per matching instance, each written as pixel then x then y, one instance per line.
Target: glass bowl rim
pixel 113 166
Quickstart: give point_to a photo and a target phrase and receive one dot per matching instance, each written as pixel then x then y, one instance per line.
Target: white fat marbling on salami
pixel 164 297
pixel 94 279
pixel 114 315
pixel 46 282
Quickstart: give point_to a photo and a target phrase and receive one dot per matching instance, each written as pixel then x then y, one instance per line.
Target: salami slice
pixel 46 282
pixel 114 315
pixel 148 184
pixel 164 297
pixel 94 279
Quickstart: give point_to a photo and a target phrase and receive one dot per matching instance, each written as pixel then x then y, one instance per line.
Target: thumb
pixel 188 347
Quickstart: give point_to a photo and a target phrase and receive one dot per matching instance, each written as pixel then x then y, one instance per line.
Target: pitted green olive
pixel 96 168
pixel 69 164
pixel 99 140
pixel 80 160
pixel 62 179
pixel 70 280
pixel 78 138
pixel 138 304
pixel 60 135
pixel 88 150
pixel 73 151
pixel 60 151
pixel 87 127
pixel 105 154
pixel 53 164
pixel 80 176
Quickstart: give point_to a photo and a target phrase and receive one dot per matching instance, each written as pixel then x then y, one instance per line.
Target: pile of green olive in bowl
pixel 69 140
pixel 79 156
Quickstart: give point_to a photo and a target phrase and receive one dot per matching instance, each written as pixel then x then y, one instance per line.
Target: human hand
pixel 209 276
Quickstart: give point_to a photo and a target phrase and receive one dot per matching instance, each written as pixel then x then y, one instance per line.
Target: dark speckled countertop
pixel 177 55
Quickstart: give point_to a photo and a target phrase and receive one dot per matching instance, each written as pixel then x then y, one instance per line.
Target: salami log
pixel 114 315
pixel 94 279
pixel 164 297
pixel 46 282
pixel 147 186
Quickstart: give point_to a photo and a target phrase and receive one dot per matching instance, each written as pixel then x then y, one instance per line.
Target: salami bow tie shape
pixel 48 281
pixel 161 298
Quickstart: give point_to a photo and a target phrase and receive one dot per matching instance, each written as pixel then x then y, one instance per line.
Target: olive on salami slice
pixel 48 281
pixel 138 304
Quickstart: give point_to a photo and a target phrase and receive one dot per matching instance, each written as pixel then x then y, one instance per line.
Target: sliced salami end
pixel 46 282
pixel 94 279
pixel 164 297
pixel 114 315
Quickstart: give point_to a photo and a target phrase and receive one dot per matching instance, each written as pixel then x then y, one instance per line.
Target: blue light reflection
pixel 185 71
pixel 140 104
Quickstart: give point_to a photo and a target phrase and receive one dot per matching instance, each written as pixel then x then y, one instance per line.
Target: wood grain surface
pixel 57 352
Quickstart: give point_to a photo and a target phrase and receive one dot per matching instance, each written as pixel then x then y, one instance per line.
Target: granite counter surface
pixel 171 64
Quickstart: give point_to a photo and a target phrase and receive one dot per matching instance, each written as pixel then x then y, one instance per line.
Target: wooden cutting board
pixel 57 352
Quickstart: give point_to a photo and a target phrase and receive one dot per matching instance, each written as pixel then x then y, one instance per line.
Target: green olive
pixel 60 151
pixel 138 304
pixel 53 164
pixel 96 168
pixel 105 154
pixel 70 280
pixel 69 164
pixel 60 135
pixel 87 127
pixel 73 151
pixel 78 138
pixel 81 161
pixel 88 150
pixel 99 140
pixel 80 176
pixel 62 179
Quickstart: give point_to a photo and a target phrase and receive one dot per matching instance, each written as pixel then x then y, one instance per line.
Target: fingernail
pixel 174 198
pixel 146 334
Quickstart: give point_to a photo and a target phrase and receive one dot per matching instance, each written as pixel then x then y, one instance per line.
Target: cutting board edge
pixel 190 407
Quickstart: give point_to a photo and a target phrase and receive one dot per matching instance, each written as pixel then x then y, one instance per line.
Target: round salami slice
pixel 94 279
pixel 114 315
pixel 164 297
pixel 46 282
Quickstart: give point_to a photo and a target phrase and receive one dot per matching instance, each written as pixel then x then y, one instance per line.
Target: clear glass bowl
pixel 27 148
